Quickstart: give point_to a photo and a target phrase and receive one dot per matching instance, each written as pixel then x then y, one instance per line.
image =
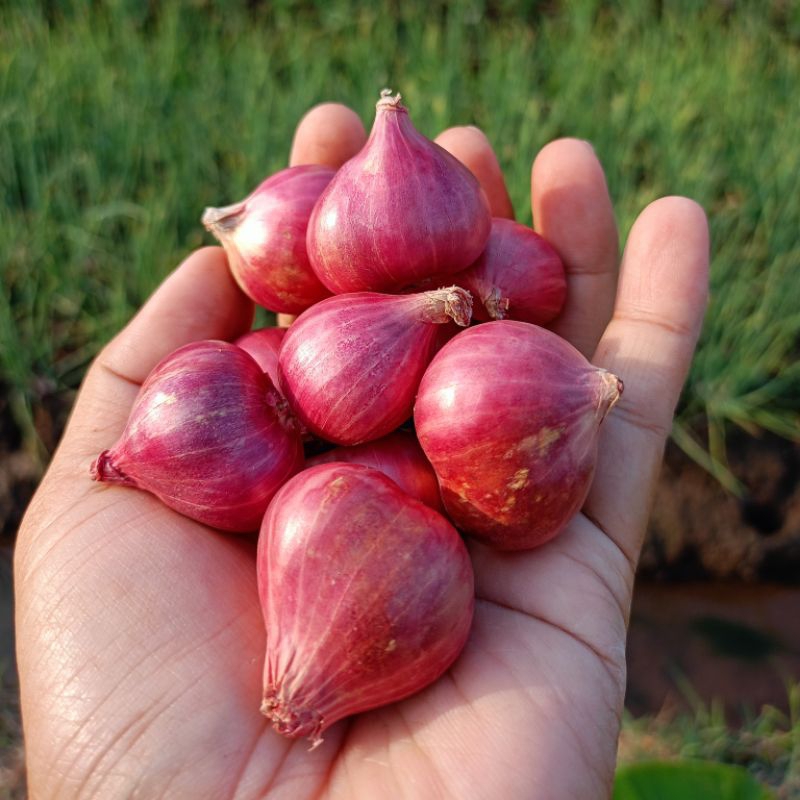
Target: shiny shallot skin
pixel 398 456
pixel 209 435
pixel 509 414
pixel 367 597
pixel 519 275
pixel 401 210
pixel 264 345
pixel 350 366
pixel 264 237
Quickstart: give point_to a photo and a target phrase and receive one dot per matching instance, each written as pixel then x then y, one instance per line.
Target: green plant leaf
pixel 687 780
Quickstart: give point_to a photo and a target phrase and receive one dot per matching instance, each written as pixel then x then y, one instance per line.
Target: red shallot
pixel 400 210
pixel 209 435
pixel 508 414
pixel 397 455
pixel 264 345
pixel 518 276
pixel 350 365
pixel 367 596
pixel 264 236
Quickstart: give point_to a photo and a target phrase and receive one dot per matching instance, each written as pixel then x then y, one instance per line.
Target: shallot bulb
pixel 518 276
pixel 508 414
pixel 264 345
pixel 400 210
pixel 350 365
pixel 209 435
pixel 264 237
pixel 397 455
pixel 367 596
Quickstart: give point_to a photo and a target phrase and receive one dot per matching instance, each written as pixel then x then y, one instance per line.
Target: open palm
pixel 140 639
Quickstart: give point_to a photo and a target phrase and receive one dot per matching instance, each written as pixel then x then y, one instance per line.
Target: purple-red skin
pixel 367 596
pixel 350 365
pixel 264 237
pixel 398 456
pixel 519 275
pixel 264 345
pixel 209 436
pixel 400 210
pixel 508 414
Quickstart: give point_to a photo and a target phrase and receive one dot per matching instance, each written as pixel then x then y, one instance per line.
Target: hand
pixel 140 639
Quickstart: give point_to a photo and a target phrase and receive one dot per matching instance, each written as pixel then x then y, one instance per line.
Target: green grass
pixel 120 122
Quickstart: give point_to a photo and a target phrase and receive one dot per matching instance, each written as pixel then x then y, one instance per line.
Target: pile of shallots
pixel 441 428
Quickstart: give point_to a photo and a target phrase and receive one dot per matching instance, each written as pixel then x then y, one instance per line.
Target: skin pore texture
pixel 139 635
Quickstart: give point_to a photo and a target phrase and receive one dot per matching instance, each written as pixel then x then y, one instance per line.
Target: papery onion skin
pixel 264 237
pixel 209 435
pixel 350 366
pixel 264 345
pixel 508 414
pixel 400 210
pixel 519 275
pixel 367 597
pixel 398 456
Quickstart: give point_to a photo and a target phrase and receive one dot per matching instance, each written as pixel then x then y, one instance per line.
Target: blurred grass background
pixel 121 120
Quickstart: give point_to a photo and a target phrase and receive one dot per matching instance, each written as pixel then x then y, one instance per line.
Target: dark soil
pixel 12 760
pixel 22 462
pixel 21 467
pixel 736 643
pixel 699 531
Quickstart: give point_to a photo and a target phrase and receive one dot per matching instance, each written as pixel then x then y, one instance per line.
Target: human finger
pixel 572 210
pixel 473 149
pixel 661 299
pixel 329 134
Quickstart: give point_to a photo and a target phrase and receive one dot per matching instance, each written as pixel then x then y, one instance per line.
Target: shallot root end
pixel 104 470
pixel 292 722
